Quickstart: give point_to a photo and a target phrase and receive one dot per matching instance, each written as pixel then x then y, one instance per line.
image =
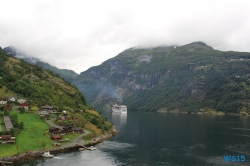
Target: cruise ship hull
pixel 119 109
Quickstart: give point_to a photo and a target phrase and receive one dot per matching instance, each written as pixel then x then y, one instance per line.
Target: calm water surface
pixel 155 139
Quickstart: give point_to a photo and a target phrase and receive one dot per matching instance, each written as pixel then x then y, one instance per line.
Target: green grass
pixel 71 137
pixel 8 150
pixel 31 137
pixel 4 92
pixel 34 108
pixel 2 125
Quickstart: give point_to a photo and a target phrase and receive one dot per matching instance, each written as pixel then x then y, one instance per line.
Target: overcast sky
pixel 78 34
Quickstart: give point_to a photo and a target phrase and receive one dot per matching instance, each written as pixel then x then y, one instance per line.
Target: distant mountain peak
pixel 65 73
pixel 21 55
pixel 199 45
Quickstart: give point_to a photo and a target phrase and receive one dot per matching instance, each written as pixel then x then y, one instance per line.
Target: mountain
pixel 38 85
pixel 191 77
pixel 41 87
pixel 65 73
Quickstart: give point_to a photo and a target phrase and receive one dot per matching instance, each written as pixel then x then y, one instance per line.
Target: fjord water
pixel 150 139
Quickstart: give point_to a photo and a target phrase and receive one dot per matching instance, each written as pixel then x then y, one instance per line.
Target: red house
pixel 25 106
pixel 56 137
pixel 7 107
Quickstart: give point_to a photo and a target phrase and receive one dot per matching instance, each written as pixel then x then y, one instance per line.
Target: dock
pixel 5 162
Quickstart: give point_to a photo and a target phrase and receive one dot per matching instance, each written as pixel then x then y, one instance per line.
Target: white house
pixel 21 101
pixel 49 109
pixel 3 100
pixel 12 99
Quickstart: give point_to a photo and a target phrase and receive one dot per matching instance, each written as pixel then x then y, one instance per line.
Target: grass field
pixel 2 126
pixel 4 93
pixel 35 131
pixel 31 137
pixel 8 150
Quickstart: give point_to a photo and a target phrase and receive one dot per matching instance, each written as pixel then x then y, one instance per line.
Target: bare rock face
pixel 184 78
pixel 194 89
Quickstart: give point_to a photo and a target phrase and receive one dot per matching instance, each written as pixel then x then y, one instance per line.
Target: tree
pixel 43 144
pixel 6 112
pixel 13 132
pixel 21 125
pixel 22 110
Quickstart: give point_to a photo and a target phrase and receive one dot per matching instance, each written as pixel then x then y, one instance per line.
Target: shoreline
pixel 32 155
pixel 205 113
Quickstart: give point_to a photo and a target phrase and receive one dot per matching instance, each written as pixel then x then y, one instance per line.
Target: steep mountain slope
pixel 42 87
pixel 188 78
pixel 65 73
pixel 38 85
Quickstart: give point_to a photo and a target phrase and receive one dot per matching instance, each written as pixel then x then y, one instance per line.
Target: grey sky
pixel 78 34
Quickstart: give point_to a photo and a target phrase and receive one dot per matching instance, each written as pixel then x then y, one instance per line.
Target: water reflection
pixel 152 139
pixel 119 119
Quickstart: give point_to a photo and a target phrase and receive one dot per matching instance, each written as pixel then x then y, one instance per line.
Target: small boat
pixel 56 144
pixel 81 149
pixel 47 154
pixel 91 148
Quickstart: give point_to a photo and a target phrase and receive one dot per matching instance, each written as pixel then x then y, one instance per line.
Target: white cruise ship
pixel 119 108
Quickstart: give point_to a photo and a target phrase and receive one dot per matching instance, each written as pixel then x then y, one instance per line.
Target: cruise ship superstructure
pixel 119 108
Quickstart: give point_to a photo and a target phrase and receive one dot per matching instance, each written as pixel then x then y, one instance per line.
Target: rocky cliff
pixel 188 78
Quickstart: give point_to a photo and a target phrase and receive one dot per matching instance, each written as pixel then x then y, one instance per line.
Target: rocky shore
pixel 31 155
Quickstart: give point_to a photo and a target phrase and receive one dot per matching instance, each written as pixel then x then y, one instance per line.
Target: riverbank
pixel 31 155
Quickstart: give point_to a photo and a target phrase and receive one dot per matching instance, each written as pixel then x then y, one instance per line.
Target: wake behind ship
pixel 119 108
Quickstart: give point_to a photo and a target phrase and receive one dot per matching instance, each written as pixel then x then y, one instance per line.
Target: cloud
pixel 79 34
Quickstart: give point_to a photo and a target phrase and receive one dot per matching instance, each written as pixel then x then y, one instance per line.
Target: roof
pixel 57 136
pixel 8 123
pixel 25 104
pixel 7 105
pixel 49 107
pixel 6 136
pixel 67 127
pixel 44 113
pixel 22 99
pixel 12 97
pixel 53 129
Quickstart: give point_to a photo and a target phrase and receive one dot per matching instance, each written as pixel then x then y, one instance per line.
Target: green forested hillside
pixel 39 86
pixel 189 78
pixel 64 73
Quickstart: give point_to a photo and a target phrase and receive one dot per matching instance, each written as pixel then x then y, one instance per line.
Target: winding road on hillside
pixel 78 140
pixel 52 124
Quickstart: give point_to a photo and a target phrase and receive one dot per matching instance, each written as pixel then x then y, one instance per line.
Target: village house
pixel 64 113
pixel 3 100
pixel 21 101
pixel 63 118
pixel 54 130
pixel 77 130
pixel 45 116
pixel 12 98
pixel 49 109
pixel 56 137
pixel 66 130
pixel 43 112
pixel 7 139
pixel 7 107
pixel 25 106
